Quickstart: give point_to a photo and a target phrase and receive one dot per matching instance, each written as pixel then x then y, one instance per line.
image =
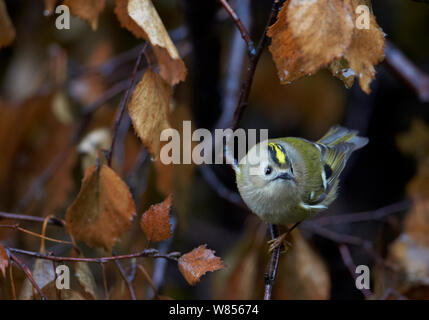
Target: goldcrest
pixel 288 180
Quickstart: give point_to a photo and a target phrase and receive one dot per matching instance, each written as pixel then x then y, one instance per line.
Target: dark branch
pixel 243 31
pixel 272 267
pixel 348 262
pixel 124 103
pixel 407 71
pixel 150 253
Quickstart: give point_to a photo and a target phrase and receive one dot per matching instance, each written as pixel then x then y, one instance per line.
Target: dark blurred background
pixel 375 177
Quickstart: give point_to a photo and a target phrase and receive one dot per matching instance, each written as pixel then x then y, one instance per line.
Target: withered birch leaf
pixel 141 18
pixel 86 279
pixel 4 260
pixel 155 222
pixel 87 10
pixel 103 209
pixel 7 30
pixel 309 35
pixel 365 50
pixel 43 273
pixel 149 108
pixel 193 265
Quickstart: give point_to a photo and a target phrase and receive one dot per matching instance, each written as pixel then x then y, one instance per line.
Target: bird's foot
pixel 280 242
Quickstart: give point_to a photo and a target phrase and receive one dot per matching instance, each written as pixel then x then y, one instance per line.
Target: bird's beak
pixel 286 176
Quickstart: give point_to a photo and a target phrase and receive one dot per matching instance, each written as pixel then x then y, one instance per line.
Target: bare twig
pixel 12 282
pixel 18 228
pixel 124 103
pixel 150 253
pixel 272 267
pixel 148 279
pixel 240 26
pixel 348 262
pixel 372 215
pixel 27 272
pixel 126 279
pixel 219 187
pixel 52 220
pixel 235 64
pixel 103 273
pixel 407 71
pixel 253 62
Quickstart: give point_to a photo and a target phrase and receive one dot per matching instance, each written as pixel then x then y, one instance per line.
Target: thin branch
pixel 407 71
pixel 148 279
pixel 217 186
pixel 18 228
pixel 103 272
pixel 124 103
pixel 150 253
pixel 272 267
pixel 12 282
pixel 52 221
pixel 27 272
pixel 348 262
pixel 243 31
pixel 247 84
pixel 126 279
pixel 377 214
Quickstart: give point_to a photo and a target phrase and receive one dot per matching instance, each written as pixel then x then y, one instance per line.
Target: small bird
pixel 287 180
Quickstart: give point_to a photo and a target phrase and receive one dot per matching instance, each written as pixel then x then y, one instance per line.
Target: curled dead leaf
pixel 155 222
pixel 309 35
pixel 43 274
pixel 193 265
pixel 141 18
pixel 103 209
pixel 365 50
pixel 87 10
pixel 149 110
pixel 86 279
pixel 7 30
pixel 4 260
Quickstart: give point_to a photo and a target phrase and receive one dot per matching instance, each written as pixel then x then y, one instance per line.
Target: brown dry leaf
pixel 141 18
pixel 7 30
pixel 50 6
pixel 86 279
pixel 87 10
pixel 410 251
pixel 43 273
pixel 155 222
pixel 365 51
pixel 193 265
pixel 103 209
pixel 4 260
pixel 309 35
pixel 149 110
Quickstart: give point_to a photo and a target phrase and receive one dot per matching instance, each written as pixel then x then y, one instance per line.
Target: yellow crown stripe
pixel 280 154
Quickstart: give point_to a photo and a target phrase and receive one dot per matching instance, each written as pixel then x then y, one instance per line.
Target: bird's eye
pixel 268 170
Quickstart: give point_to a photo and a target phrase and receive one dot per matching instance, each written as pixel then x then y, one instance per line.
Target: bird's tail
pixel 338 134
